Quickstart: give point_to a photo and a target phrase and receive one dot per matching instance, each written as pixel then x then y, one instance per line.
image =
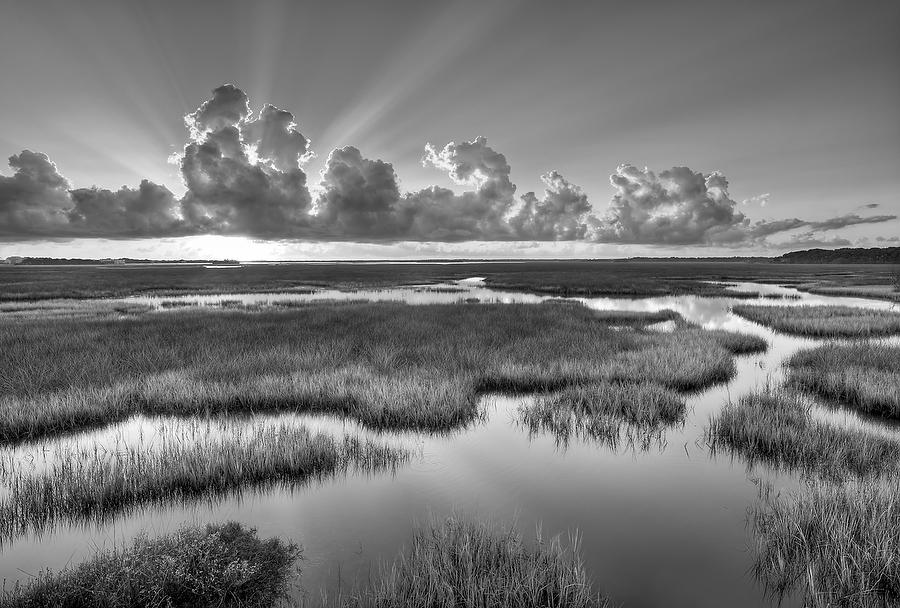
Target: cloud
pixel 228 107
pixel 35 200
pixel 807 240
pixel 678 206
pixel 359 197
pixel 243 175
pixel 148 210
pixel 559 216
pixel 274 138
pixel 760 199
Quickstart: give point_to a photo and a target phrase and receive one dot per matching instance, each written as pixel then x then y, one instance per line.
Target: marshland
pixel 547 433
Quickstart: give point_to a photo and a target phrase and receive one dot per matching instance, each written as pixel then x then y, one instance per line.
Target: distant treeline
pixel 846 255
pixel 16 260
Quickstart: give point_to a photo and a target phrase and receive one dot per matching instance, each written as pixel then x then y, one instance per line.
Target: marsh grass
pixel 389 366
pixel 84 487
pixel 635 318
pixel 195 567
pixel 839 544
pixel 865 377
pixel 774 426
pixel 465 564
pixel 823 321
pixel 611 413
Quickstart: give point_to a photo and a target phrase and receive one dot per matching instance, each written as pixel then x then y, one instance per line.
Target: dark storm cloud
pixel 243 174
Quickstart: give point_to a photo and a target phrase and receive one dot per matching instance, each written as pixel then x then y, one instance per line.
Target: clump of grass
pixel 775 426
pixel 823 321
pixel 865 377
pixel 635 318
pixel 196 567
pixel 463 564
pixel 838 544
pixel 92 487
pixel 604 411
pixel 389 366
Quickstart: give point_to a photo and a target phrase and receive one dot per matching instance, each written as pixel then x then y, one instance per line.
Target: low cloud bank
pixel 244 175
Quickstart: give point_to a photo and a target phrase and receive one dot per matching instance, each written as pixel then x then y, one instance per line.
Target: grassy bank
pixel 865 377
pixel 572 277
pixel 203 567
pixel 823 321
pixel 463 564
pixel 93 486
pixel 605 412
pixel 838 544
pixel 386 365
pixel 775 427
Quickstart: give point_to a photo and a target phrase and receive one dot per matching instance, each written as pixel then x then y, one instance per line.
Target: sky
pixel 358 130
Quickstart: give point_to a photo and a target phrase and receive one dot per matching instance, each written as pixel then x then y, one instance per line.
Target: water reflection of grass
pixel 823 321
pixel 386 365
pixel 865 377
pixel 81 487
pixel 465 563
pixel 202 567
pixel 607 412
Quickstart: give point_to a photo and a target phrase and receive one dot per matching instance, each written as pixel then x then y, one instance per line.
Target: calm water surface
pixel 665 526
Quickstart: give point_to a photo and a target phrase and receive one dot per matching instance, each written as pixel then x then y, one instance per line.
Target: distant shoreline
pixel 856 255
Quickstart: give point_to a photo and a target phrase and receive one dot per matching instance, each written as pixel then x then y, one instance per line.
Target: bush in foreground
pixel 196 567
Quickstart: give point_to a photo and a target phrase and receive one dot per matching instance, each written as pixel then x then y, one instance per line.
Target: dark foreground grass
pixel 388 366
pixel 94 486
pixel 775 427
pixel 865 377
pixel 464 564
pixel 823 321
pixel 215 566
pixel 606 412
pixel 838 544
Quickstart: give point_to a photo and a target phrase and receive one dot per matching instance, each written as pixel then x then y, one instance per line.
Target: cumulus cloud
pixel 359 197
pixel 678 206
pixel 559 216
pixel 35 200
pixel 148 210
pixel 228 107
pixel 243 173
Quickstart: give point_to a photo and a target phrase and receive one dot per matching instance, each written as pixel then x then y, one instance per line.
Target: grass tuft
pixel 461 564
pixel 823 321
pixel 196 567
pixel 775 426
pixel 604 412
pixel 92 487
pixel 838 544
pixel 865 377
